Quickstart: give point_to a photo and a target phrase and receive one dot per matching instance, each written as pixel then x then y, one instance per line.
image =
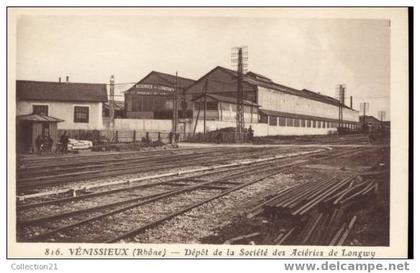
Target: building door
pixel 24 137
pixel 45 129
pixel 181 130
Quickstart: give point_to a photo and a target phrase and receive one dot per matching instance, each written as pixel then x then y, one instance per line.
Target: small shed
pixel 29 127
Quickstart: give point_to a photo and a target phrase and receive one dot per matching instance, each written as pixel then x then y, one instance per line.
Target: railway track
pixel 69 170
pixel 165 204
pixel 51 161
pixel 92 161
pixel 130 185
pixel 151 182
pixel 99 158
pixel 46 176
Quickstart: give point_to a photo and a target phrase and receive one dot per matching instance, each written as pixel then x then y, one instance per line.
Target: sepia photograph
pixel 262 132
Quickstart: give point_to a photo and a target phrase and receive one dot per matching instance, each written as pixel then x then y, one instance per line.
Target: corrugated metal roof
pixel 297 116
pixel 370 119
pixel 227 99
pixel 181 81
pixel 260 80
pixel 38 118
pixel 61 91
pixel 118 105
pixel 164 79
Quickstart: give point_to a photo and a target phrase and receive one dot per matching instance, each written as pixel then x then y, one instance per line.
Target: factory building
pixel 370 123
pixel 223 108
pixel 283 110
pixel 153 97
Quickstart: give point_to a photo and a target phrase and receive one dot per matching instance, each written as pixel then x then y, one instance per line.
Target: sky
pixel 315 54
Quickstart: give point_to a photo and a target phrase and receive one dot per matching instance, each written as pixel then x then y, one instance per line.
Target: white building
pixel 79 105
pixel 282 110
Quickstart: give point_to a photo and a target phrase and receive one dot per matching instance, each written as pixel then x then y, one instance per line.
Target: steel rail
pixel 194 205
pixel 235 167
pixel 239 172
pixel 114 172
pixel 197 204
pixel 292 195
pixel 276 171
pixel 40 220
pixel 94 157
pixel 303 191
pixel 149 162
pixel 169 194
pixel 115 211
pixel 317 200
pixel 347 231
pixel 121 161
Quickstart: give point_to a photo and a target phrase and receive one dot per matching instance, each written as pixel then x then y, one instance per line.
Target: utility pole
pixel 364 107
pixel 381 115
pixel 341 94
pixel 111 102
pixel 175 105
pixel 238 56
pixel 205 105
pixel 240 102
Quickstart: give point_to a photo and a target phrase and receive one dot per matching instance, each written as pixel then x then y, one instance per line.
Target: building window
pixel 319 124
pixel 263 118
pixel 296 122
pixel 282 121
pixel 323 124
pixel 273 121
pixel 212 105
pixel 289 122
pixel 314 124
pixel 303 123
pixel 81 114
pixel 40 109
pixel 147 103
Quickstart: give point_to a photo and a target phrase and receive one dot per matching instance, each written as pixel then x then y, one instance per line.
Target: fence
pixel 117 136
pixel 151 125
pixel 218 136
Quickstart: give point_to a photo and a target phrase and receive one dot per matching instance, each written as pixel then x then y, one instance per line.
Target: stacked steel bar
pixel 298 200
pixel 323 210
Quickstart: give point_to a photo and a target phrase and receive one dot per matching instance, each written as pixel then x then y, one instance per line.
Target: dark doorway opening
pixel 24 137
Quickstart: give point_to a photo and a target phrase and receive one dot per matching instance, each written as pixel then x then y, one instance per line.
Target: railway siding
pixel 201 198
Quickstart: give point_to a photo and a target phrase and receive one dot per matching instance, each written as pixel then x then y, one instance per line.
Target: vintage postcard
pixel 208 133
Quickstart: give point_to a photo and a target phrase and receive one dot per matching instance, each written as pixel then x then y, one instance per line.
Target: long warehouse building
pixel 270 108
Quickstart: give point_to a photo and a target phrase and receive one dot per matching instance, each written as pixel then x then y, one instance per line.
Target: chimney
pixel 351 102
pixel 67 78
pixel 59 79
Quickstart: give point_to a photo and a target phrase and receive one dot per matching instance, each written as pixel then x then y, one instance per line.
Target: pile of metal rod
pixel 323 212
